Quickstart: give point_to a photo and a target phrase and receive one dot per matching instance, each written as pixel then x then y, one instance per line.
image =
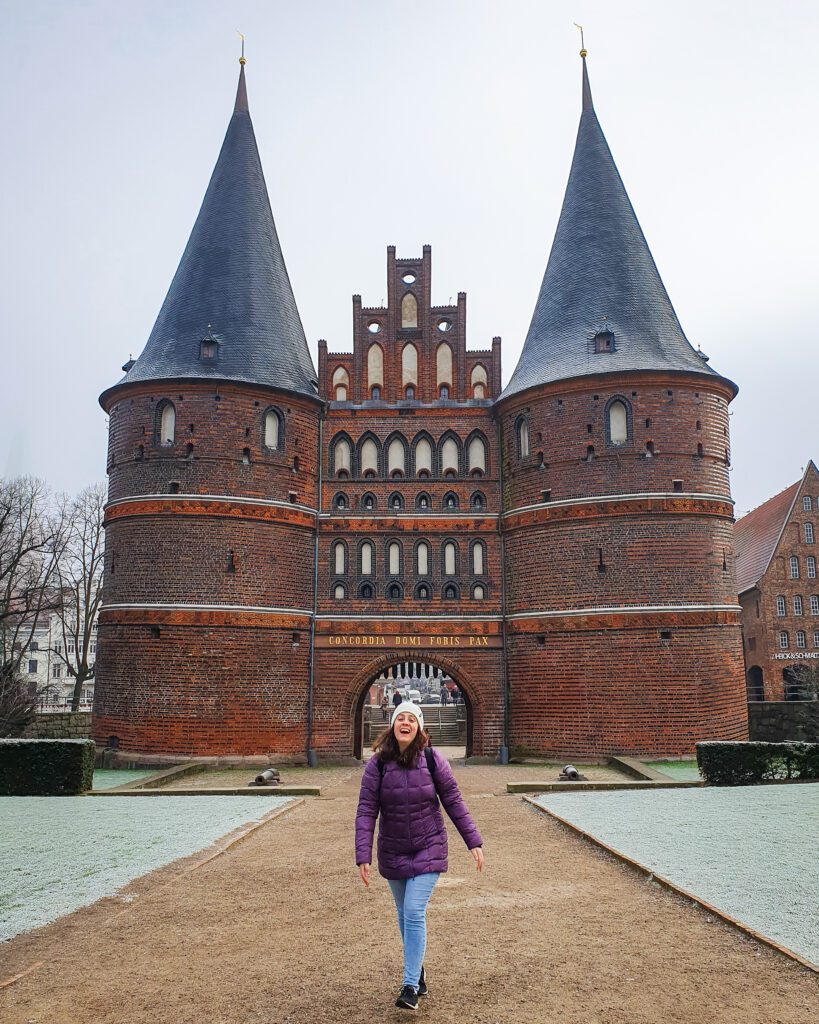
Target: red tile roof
pixel 756 535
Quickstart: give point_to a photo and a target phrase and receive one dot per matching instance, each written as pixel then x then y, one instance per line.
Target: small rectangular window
pixel 678 485
pixel 32 668
pixel 752 643
pixel 546 495
pixel 816 639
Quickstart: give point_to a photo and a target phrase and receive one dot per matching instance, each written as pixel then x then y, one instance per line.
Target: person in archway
pixel 397 698
pixel 403 783
pixel 444 695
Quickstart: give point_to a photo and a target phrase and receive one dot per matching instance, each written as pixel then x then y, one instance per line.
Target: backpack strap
pixel 428 755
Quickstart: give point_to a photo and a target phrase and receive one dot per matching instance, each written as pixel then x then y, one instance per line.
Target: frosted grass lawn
pixel 751 851
pixel 681 771
pixel 108 778
pixel 61 853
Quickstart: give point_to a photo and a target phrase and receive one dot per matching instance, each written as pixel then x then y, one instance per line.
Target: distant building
pixel 44 668
pixel 776 554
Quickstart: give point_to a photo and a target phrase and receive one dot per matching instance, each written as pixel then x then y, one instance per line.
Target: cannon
pixel 570 774
pixel 269 777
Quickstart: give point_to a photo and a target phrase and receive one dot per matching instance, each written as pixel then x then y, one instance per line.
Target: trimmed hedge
pixel 724 763
pixel 46 767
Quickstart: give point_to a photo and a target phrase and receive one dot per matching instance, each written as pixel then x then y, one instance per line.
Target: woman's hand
pixel 364 871
pixel 477 853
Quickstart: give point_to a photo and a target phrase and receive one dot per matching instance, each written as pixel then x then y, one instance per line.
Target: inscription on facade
pixel 415 641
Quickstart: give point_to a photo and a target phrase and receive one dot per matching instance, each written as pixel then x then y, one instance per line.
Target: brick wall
pixel 778 721
pixel 59 725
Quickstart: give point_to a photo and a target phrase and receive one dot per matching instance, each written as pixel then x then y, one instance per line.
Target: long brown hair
pixel 386 747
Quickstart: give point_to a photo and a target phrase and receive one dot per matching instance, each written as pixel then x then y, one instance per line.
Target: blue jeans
pixel 411 896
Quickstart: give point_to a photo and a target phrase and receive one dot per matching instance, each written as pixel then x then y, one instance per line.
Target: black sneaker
pixel 408 1000
pixel 422 983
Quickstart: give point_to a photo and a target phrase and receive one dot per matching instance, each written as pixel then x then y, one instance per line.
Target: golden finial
pixel 583 51
pixel 242 58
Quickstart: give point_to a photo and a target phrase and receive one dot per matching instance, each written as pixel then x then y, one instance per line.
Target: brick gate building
pixel 276 539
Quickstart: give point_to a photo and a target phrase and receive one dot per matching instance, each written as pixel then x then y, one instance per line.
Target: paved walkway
pixel 279 930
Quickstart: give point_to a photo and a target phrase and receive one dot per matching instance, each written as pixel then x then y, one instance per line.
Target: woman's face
pixel 405 728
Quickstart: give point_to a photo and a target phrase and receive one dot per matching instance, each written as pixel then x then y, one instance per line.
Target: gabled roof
pixel 231 284
pixel 600 276
pixel 757 535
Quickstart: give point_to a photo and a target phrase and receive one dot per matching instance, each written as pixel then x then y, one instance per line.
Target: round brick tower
pixel 204 639
pixel 622 622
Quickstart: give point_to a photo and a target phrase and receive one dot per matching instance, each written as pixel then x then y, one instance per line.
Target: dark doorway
pixel 446 706
pixel 755 683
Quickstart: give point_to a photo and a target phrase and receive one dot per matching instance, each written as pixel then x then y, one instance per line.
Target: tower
pixel 622 623
pixel 204 640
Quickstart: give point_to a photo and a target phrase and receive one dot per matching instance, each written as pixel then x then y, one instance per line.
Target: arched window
pixel 273 433
pixel 809 533
pixel 394 558
pixel 478 559
pixel 423 502
pixel 339 591
pixel 396 457
pixel 340 502
pixel 794 567
pixel 780 605
pixel 422 559
pixel 479 381
pixel 800 638
pixel 798 608
pixel 366 591
pixel 522 433
pixel 368 457
pixel 375 368
pixel 342 457
pixel 394 592
pixel 784 640
pixel 368 501
pixel 814 604
pixel 479 592
pixel 450 457
pixel 477 501
pixel 409 311
pixel 806 503
pixel 409 366
pixel 166 423
pixel 617 422
pixel 423 457
pixel 450 500
pixel 810 562
pixel 375 393
pixel 339 558
pixel 341 383
pixel 422 592
pixel 450 558
pixel 450 592
pixel 476 455
pixel 396 502
pixel 367 558
pixel 443 366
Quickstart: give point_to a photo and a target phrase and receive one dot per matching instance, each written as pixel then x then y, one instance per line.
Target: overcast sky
pixel 448 122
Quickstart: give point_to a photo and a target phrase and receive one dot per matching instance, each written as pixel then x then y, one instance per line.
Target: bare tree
pixel 79 573
pixel 806 677
pixel 31 539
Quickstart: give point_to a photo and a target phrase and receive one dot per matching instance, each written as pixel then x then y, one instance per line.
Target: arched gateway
pixel 344 681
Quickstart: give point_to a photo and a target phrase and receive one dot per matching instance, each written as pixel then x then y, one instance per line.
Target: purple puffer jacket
pixel 411 835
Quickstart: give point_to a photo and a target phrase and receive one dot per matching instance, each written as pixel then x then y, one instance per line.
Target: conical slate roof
pixel 600 276
pixel 231 284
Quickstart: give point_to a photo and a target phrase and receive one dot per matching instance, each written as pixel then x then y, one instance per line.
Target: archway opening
pixel 755 683
pixel 436 688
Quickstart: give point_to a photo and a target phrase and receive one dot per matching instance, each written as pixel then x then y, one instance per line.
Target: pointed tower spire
pixel 601 279
pixel 231 289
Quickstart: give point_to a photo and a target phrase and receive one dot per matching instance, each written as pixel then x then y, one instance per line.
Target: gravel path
pixel 279 930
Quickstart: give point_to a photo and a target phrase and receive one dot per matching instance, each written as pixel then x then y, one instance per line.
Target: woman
pixel 403 782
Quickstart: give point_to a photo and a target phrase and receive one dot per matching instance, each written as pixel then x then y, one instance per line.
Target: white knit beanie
pixel 407 707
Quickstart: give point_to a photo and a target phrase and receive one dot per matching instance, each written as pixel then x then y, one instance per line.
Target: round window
pixel 408 277
pixel 444 325
pixel 373 327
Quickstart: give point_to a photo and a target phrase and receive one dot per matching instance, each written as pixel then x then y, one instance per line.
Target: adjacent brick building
pixel 277 539
pixel 776 554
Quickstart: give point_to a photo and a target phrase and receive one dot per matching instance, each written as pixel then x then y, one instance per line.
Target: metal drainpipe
pixel 312 756
pixel 503 753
